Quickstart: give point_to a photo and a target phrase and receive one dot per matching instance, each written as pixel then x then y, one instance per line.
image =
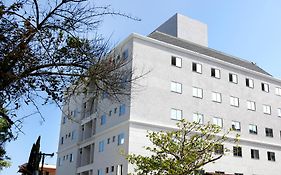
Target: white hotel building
pixel 186 80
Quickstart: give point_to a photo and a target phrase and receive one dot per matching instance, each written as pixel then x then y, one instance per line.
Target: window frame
pixel 216 73
pixel 176 87
pixel 253 129
pixel 176 61
pixel 198 118
pixel 177 112
pixel 265 87
pixel 217 119
pixel 231 78
pixel 255 154
pixel 216 97
pixel 237 151
pixel 252 106
pixel 197 92
pixel 266 109
pixel 234 125
pixel 197 67
pixel 250 83
pixel 278 91
pixel 269 132
pixel 271 156
pixel 234 101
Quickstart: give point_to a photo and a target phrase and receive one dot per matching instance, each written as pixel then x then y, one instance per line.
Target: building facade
pixel 188 80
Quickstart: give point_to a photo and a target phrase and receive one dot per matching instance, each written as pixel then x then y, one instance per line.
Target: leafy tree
pixel 46 46
pixel 182 151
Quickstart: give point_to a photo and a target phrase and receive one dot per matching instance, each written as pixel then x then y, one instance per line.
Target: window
pixel 219 149
pixel 251 105
pixel 264 87
pixel 101 146
pixel 279 112
pixel 112 168
pixel 266 109
pixel 278 91
pixel 175 61
pixel 253 129
pixel 268 132
pixel 236 126
pixel 196 67
pixel 249 83
pixel 125 54
pixel 110 113
pixel 233 78
pixel 176 114
pixel 63 119
pixel 73 135
pixel 234 101
pixel 100 172
pixel 271 156
pixel 198 118
pixel 121 139
pixel 107 170
pixel 255 154
pixel 215 73
pixel 218 121
pixel 237 151
pixel 119 170
pixel 115 110
pixel 216 97
pixel 103 119
pixel 61 141
pixel 122 109
pixel 108 140
pixel 176 87
pixel 70 158
pixel 197 92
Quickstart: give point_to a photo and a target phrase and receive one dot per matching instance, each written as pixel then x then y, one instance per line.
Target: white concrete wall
pixel 153 104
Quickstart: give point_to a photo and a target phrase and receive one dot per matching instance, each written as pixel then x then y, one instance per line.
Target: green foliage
pixel 182 151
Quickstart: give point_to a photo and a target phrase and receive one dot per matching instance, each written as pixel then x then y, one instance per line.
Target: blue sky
pixel 249 29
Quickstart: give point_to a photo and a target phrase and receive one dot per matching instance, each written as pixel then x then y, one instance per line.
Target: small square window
pixel 266 109
pixel 176 114
pixel 249 83
pixel 198 118
pixel 197 92
pixel 122 109
pixel 176 87
pixel 216 97
pixel 215 73
pixel 196 67
pixel 253 129
pixel 255 154
pixel 175 61
pixel 233 78
pixel 121 139
pixel 278 91
pixel 218 121
pixel 101 146
pixel 271 156
pixel 234 101
pixel 251 105
pixel 268 132
pixel 237 151
pixel 103 119
pixel 264 87
pixel 236 126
